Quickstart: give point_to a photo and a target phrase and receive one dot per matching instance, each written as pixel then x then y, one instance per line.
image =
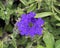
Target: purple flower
pixel 30 26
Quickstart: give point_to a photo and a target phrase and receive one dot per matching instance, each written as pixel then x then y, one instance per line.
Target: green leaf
pixel 13 41
pixel 57 10
pixel 10 46
pixel 57 17
pixel 57 3
pixel 40 46
pixel 43 14
pixel 57 44
pixel 8 28
pixel 29 45
pixel 2 6
pixel 7 13
pixel 31 8
pixel 58 24
pixel 24 2
pixel 39 3
pixel 48 38
pixel 19 11
pixel 1 44
pixel 31 1
pixel 5 45
pixel 2 14
pixel 9 3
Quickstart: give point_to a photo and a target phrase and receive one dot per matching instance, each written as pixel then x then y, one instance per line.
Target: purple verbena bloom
pixel 30 26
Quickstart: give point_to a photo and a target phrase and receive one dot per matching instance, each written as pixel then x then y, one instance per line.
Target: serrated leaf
pixel 48 38
pixel 57 44
pixel 43 14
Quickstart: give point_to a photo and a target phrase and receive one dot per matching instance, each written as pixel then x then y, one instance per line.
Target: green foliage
pixel 14 42
pixel 40 46
pixel 49 40
pixel 43 14
pixel 31 8
pixel 24 2
pixel 57 44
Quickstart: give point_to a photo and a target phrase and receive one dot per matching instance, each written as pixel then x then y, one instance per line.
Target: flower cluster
pixel 30 26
